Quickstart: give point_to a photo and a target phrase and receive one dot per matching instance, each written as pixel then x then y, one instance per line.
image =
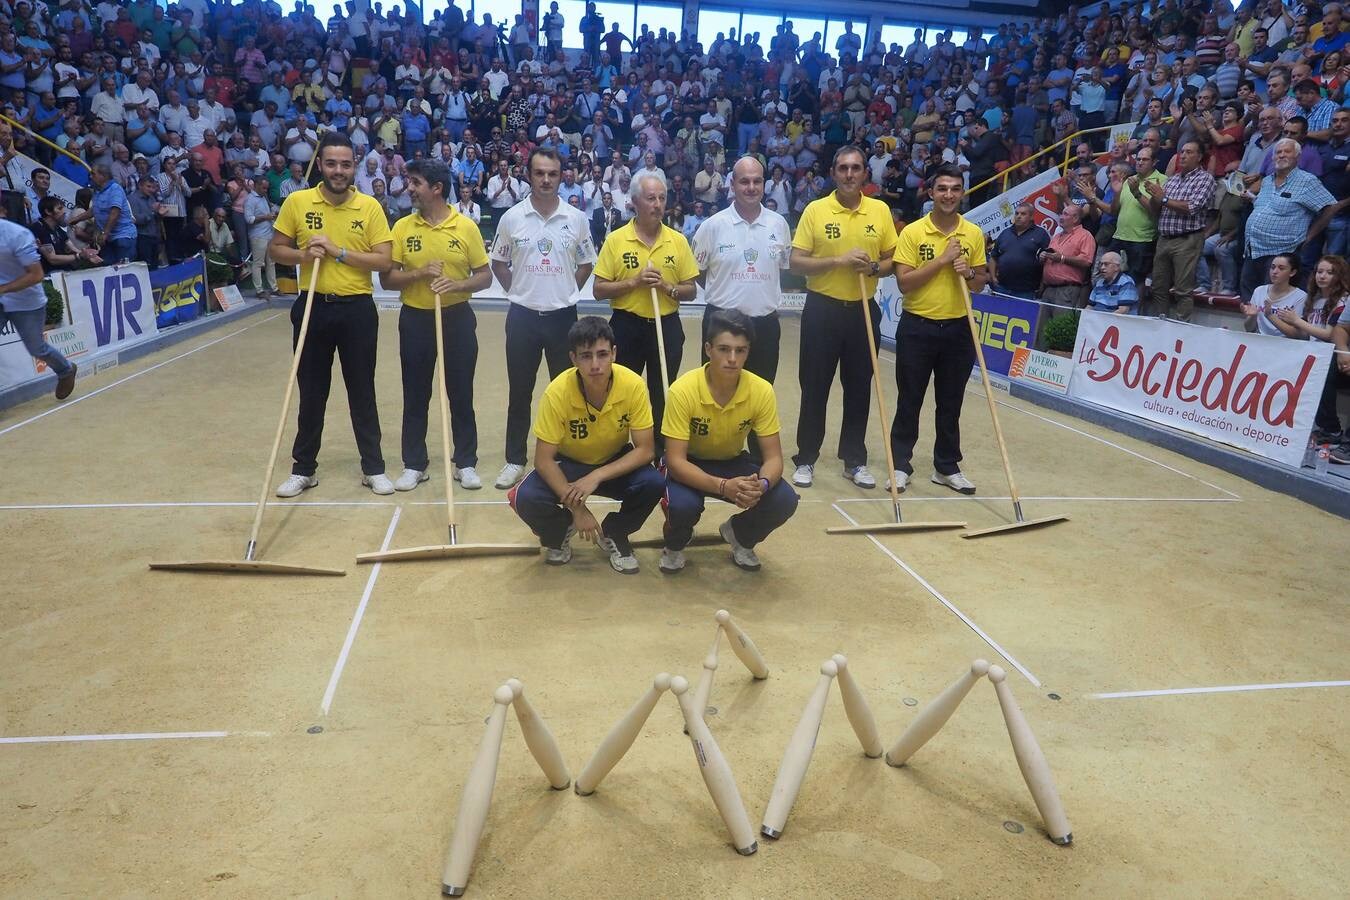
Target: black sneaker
pixel 1333 438
pixel 1340 456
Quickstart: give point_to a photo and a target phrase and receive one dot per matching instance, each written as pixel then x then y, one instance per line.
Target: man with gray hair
pixel 1068 260
pixel 1290 206
pixel 1113 290
pixel 112 214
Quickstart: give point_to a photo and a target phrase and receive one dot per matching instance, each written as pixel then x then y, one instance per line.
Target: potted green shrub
pixel 1061 332
pixel 56 304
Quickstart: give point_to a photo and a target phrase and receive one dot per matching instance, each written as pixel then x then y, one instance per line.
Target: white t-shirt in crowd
pixel 1261 300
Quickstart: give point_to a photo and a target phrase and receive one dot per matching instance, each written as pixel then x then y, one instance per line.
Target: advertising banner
pixel 177 292
pixel 114 302
pixel 19 170
pixel 1044 370
pixel 1251 391
pixel 1006 323
pixel 993 216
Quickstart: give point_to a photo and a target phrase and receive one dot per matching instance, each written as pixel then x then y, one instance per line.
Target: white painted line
pixel 356 618
pixel 945 602
pixel 981 497
pixel 107 387
pixel 142 736
pixel 1090 436
pixel 193 504
pixel 1223 689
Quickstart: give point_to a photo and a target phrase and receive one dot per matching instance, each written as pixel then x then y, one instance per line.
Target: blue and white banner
pixel 178 292
pixel 113 304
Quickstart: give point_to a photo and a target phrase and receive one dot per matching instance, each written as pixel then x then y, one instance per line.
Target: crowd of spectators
pixel 188 126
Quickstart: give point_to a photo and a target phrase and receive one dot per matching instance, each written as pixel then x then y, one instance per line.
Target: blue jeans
pixel 1228 274
pixel 28 323
pixel 638 492
pixel 684 505
pixel 119 251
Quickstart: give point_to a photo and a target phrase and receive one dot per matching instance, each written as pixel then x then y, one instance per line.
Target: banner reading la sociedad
pixel 1251 391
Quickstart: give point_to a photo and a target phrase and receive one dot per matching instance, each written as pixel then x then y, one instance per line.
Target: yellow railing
pixel 39 137
pixel 1066 142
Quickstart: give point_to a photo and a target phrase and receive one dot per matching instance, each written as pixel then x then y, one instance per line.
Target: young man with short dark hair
pixel 593 435
pixel 709 414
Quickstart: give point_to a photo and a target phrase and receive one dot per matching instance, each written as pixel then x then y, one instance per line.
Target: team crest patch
pixel 751 256
pixel 545 246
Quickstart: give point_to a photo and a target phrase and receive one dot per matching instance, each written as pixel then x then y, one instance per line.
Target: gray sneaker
pixel 956 482
pixel 743 557
pixel 621 558
pixel 672 561
pixel 560 556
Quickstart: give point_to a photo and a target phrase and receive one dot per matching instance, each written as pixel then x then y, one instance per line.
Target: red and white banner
pixel 993 216
pixel 1252 391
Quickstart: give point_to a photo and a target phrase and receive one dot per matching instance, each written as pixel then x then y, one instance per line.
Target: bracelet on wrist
pixel 722 489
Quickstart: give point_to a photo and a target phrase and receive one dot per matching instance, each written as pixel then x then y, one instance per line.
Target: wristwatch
pixel 342 254
pixel 876 267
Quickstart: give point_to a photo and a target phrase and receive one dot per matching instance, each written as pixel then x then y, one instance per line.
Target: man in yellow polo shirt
pixel 838 238
pixel 593 435
pixel 644 254
pixel 437 251
pixel 933 339
pixel 709 414
pixel 348 231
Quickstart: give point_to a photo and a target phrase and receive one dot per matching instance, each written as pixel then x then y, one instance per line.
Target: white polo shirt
pixel 742 260
pixel 544 254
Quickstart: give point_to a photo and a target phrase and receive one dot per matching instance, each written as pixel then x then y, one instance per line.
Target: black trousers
pixel 530 334
pixel 834 336
pixel 763 360
pixel 351 330
pixel 940 349
pixel 417 358
pixel 635 338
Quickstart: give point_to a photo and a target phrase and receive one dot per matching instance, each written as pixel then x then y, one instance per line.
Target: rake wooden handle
pixel 881 400
pixel 285 409
pixel 660 346
pixel 989 396
pixel 445 425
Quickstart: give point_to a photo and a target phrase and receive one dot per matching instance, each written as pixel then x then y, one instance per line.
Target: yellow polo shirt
pixel 828 228
pixel 920 243
pixel 455 241
pixel 358 224
pixel 718 432
pixel 624 254
pixel 584 435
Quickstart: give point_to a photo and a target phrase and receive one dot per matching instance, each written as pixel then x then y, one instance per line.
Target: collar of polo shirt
pixel 705 393
pixel 349 203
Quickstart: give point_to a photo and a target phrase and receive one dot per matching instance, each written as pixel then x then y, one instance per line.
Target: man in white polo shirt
pixel 541 255
pixel 741 252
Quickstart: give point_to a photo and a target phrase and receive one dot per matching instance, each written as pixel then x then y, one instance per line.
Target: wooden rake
pixel 1022 522
pixel 898 524
pixel 454 548
pixel 249 565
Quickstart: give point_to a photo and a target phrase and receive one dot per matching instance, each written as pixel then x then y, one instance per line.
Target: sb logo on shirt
pixel 832 231
pixel 578 429
pixel 699 426
pixel 314 221
pixel 414 243
pixel 630 261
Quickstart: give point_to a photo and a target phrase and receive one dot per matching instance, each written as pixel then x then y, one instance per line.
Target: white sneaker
pixel 619 561
pixel 957 482
pixel 672 561
pixel 804 476
pixel 296 485
pixel 380 484
pixel 508 476
pixel 901 480
pixel 410 479
pixel 860 476
pixel 468 478
pixel 743 557
pixel 562 555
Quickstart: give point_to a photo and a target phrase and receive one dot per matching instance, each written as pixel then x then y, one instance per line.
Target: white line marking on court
pixel 1066 499
pixel 141 736
pixel 192 504
pixel 1222 689
pixel 356 618
pixel 107 387
pixel 945 602
pixel 1090 436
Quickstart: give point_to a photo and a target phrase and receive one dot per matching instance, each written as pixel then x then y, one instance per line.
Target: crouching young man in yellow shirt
pixel 709 413
pixel 593 435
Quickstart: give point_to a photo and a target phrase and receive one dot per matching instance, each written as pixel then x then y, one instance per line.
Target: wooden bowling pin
pixel 712 765
pixel 797 757
pixel 620 738
pixel 935 715
pixel 856 708
pixel 742 646
pixel 1030 759
pixel 476 798
pixel 539 739
pixel 703 690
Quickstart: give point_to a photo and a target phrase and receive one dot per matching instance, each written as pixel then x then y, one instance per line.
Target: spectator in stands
pixel 53 242
pixel 112 213
pixel 1290 207
pixel 1015 255
pixel 1113 290
pixel 1067 261
pixel 259 214
pixel 1181 206
pixel 1278 293
pixel 146 211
